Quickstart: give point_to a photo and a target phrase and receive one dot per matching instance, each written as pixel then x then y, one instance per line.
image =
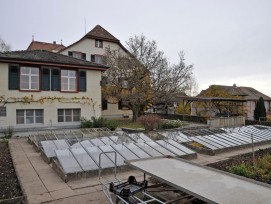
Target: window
pixel 68 80
pixel 99 43
pixel 3 111
pixel 68 115
pixel 29 78
pixel 99 59
pixel 29 116
pixel 77 55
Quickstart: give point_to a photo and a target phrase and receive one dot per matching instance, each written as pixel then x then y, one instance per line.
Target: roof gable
pixel 98 32
pixel 53 47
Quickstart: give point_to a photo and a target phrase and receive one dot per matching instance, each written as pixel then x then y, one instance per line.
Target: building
pixel 52 47
pixel 250 94
pixel 44 89
pixel 92 47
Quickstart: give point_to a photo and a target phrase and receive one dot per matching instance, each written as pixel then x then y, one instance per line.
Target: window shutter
pixel 13 77
pixel 92 58
pixel 82 81
pixel 45 79
pixel 101 44
pixel 70 53
pixel 84 56
pixel 120 105
pixel 55 80
pixel 104 104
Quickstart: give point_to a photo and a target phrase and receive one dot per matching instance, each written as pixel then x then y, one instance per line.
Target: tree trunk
pixel 135 114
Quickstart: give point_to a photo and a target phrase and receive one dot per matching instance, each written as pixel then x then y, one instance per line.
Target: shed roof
pixel 53 47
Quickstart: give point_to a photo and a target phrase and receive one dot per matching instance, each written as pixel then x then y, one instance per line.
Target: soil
pixel 9 185
pixel 239 159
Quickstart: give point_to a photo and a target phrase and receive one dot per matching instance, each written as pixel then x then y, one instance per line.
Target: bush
pixel 98 123
pixel 241 170
pixel 169 124
pixel 8 132
pixel 149 121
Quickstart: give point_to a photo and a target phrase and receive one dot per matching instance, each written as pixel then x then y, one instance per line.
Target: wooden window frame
pixel 20 79
pixel 24 116
pixel 98 43
pixel 64 114
pixel 76 81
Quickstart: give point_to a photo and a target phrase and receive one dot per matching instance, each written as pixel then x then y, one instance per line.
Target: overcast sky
pixel 228 41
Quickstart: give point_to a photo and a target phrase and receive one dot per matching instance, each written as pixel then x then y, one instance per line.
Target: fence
pixel 256 122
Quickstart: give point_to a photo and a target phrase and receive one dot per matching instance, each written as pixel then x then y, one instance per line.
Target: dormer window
pixel 99 43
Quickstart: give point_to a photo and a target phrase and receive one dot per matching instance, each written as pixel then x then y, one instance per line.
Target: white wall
pixel 88 46
pixel 50 108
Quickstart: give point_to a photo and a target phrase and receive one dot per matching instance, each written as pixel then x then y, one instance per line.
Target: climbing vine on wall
pixel 31 99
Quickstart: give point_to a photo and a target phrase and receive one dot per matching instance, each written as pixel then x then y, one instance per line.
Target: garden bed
pixel 10 191
pixel 243 165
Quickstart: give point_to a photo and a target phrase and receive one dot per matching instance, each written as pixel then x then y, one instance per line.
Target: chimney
pixel 54 42
pixel 61 41
pixel 32 38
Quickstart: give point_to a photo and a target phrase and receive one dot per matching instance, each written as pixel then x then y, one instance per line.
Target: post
pixel 253 152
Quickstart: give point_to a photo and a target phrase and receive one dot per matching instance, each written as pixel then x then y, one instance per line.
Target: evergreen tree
pixel 260 110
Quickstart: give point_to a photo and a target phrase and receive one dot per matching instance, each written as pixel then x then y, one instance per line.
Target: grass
pixel 129 124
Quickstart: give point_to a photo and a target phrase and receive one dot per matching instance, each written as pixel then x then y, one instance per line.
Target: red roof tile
pixel 52 47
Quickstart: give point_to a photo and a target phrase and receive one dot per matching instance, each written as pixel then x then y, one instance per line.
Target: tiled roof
pixel 53 47
pixel 98 32
pixel 46 57
pixel 248 93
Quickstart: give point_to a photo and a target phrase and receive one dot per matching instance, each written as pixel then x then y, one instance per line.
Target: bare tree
pixel 4 46
pixel 193 87
pixel 144 76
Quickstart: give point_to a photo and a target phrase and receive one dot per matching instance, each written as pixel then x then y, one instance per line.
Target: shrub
pixel 149 121
pixel 8 132
pixel 98 123
pixel 241 170
pixel 169 124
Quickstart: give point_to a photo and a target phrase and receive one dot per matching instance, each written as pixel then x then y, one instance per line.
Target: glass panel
pixel 25 79
pixel 25 70
pixel 72 87
pixel 61 144
pixel 68 118
pixel 72 73
pixel 64 80
pixel 64 87
pixel 84 159
pixel 72 81
pixel 67 161
pixel 68 112
pixel 64 72
pixel 149 149
pixel 20 120
pixel 34 71
pixel 48 148
pixel 20 112
pixel 95 152
pixel 34 79
pixel 34 86
pixel 136 150
pixel 29 120
pixel 29 113
pixel 39 112
pixel 126 153
pixel 108 148
pixel 60 118
pixel 60 111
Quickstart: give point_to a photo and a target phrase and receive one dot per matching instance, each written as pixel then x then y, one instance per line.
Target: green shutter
pixel 55 80
pixel 45 79
pixel 70 53
pixel 84 56
pixel 92 58
pixel 104 104
pixel 82 81
pixel 120 105
pixel 13 77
